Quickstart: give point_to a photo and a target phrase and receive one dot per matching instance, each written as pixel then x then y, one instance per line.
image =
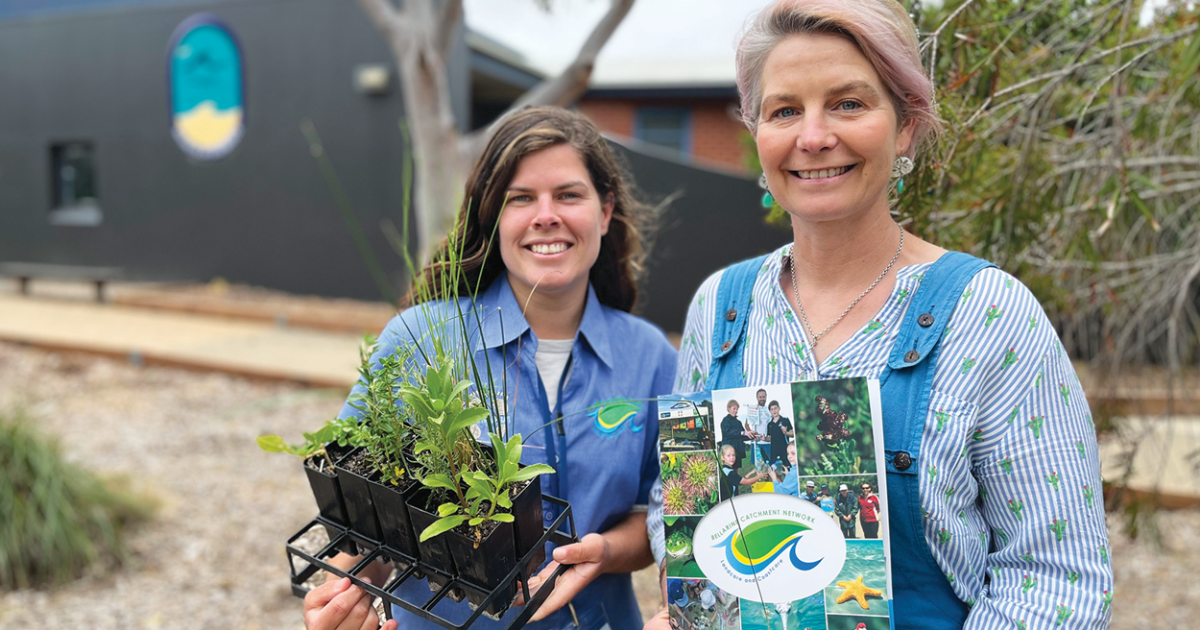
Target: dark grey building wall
pixel 262 215
pixel 715 220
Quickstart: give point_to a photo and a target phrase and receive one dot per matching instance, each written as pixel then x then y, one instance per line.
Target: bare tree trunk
pixel 420 36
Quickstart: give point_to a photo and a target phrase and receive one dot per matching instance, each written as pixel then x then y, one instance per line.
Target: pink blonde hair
pixel 881 29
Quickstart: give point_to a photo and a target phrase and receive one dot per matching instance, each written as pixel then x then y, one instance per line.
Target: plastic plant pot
pixel 356 490
pixel 527 528
pixel 392 511
pixel 485 566
pixel 326 491
pixel 434 552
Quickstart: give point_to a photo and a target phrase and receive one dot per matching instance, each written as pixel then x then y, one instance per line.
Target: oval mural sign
pixel 204 76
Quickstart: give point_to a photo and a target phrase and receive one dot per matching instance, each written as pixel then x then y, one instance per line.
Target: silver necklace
pixel 804 318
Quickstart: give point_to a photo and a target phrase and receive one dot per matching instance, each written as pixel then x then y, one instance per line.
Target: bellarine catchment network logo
pixel 784 549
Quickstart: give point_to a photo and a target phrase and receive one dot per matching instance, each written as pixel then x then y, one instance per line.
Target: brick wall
pixel 715 133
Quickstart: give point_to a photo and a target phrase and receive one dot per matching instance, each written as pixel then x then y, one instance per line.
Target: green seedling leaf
pixel 438 481
pixel 503 518
pixel 441 526
pixel 529 472
pixel 273 444
pixel 475 521
pixel 446 509
pixel 514 449
pixel 504 501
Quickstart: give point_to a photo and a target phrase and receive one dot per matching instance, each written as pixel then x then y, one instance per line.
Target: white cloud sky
pixel 693 37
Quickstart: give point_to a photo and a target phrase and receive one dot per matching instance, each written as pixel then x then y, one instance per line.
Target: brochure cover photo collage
pixel 775 507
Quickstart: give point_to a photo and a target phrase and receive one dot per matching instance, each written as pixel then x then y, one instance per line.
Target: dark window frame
pixel 686 128
pixel 75 203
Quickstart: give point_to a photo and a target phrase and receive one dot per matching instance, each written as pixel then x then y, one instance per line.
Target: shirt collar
pixel 503 321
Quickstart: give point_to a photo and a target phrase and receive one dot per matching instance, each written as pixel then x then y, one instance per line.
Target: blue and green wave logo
pixel 611 415
pixel 758 545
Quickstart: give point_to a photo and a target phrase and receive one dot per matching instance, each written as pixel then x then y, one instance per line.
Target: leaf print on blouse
pixel 1003 536
pixel 1033 322
pixel 1016 412
pixel 1066 393
pixel 1053 480
pixel 901 296
pixel 1105 601
pixel 1021 624
pixel 949 492
pixel 1081 448
pixel 873 326
pixel 944 536
pixel 967 364
pixel 1063 612
pixel 1027 582
pixel 1015 507
pixel 1088 495
pixel 770 321
pixel 1073 578
pixel 773 362
pixel 941 417
pixel 1008 283
pixel 789 317
pixel 967 294
pixel 1009 359
pixel 697 378
pixel 700 301
pixel 1027 557
pixel 800 349
pixel 1006 464
pixel 1035 423
pixel 1103 553
pixel 993 313
pixel 1059 528
pixel 931 471
pixel 843 371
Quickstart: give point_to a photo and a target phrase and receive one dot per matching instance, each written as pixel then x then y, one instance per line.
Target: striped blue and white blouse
pixel 1011 488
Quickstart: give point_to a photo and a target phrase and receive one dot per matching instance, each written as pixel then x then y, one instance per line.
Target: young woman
pixel 975 384
pixel 868 509
pixel 556 287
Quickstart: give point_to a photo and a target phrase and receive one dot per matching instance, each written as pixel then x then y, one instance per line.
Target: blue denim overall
pixel 922 597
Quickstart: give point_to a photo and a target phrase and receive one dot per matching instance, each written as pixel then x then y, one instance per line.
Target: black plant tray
pixel 413 569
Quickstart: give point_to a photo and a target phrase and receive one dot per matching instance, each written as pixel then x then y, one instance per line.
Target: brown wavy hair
pixel 622 253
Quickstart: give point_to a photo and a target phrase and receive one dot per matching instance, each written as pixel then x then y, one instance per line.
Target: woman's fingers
pixel 338 605
pixel 660 621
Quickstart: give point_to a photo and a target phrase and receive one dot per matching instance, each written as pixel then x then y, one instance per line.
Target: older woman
pixel 991 456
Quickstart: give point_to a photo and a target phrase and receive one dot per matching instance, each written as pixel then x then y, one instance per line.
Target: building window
pixel 669 127
pixel 73 184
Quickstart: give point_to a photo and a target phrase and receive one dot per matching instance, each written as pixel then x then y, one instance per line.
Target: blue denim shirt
pixel 611 461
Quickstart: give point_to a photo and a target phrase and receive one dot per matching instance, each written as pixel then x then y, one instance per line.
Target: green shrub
pixel 56 519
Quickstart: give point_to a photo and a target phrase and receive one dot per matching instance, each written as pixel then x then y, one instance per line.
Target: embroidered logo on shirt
pixel 611 415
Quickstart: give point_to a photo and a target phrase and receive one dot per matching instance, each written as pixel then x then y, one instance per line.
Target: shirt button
pixel 731 315
pixel 925 320
pixel 726 346
pixel 911 356
pixel 902 461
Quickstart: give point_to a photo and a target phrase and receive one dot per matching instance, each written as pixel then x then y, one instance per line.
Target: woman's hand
pixel 660 621
pixel 338 605
pixel 587 558
pixel 774 477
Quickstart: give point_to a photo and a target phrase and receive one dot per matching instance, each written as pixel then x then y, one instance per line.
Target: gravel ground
pixel 213 557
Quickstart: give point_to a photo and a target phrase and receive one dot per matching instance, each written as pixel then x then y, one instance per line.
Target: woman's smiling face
pixel 551 225
pixel 828 133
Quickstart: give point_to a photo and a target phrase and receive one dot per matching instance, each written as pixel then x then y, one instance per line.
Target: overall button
pixel 731 315
pixel 726 346
pixel 902 461
pixel 925 320
pixel 911 356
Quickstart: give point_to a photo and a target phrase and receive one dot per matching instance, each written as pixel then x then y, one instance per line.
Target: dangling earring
pixel 901 167
pixel 767 200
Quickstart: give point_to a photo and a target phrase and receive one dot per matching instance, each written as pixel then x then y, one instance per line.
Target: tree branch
pixel 448 20
pixel 382 13
pixel 567 87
